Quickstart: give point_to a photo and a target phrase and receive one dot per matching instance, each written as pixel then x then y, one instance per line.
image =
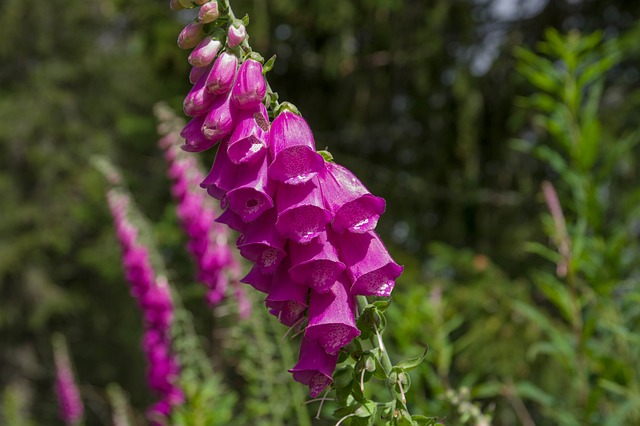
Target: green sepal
pixel 286 106
pixel 268 66
pixel 382 305
pixel 326 155
pixel 255 56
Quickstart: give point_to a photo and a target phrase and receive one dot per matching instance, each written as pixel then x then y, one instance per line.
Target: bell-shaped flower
pixel 286 300
pixel 222 175
pixel 262 244
pixel 301 212
pixel 331 319
pixel 232 220
pixel 292 147
pixel 209 12
pixel 250 137
pixel 191 35
pixel 354 208
pixel 315 264
pixel 223 73
pixel 369 266
pixel 198 101
pixel 205 52
pixel 250 87
pixel 220 121
pixel 236 35
pixel 194 140
pixel 256 279
pixel 315 366
pixel 253 191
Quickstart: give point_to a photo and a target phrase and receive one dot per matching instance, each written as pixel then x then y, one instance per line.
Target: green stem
pixel 297 402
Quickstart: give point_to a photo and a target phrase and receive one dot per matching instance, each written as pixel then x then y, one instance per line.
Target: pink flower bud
pixel 250 86
pixel 208 12
pixel 197 72
pixel 220 121
pixel 198 101
pixel 205 52
pixel 236 35
pixel 223 73
pixel 190 36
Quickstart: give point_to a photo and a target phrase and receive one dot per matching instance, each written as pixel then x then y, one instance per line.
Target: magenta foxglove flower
pixel 249 139
pixel 198 101
pixel 286 300
pixel 205 52
pixel 236 35
pixel 253 192
pixel 295 160
pixel 262 244
pixel 69 401
pixel 301 212
pixel 194 140
pixel 331 319
pixel 222 175
pixel 223 73
pixel 369 266
pixel 220 121
pixel 315 264
pixel 256 279
pixel 354 208
pixel 232 220
pixel 208 12
pixel 190 35
pixel 250 87
pixel 315 366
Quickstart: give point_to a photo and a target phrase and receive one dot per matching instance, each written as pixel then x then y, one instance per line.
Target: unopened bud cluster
pixel 306 223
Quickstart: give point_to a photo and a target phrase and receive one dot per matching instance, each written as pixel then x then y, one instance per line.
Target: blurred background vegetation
pixel 439 106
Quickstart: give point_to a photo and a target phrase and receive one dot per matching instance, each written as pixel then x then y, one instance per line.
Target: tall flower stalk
pixel 69 400
pixel 208 240
pixel 153 295
pixel 306 223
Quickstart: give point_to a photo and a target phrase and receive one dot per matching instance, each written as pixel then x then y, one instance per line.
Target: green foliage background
pixel 422 100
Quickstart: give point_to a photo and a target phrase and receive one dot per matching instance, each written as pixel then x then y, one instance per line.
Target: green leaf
pixel 412 363
pixel 367 409
pixel 558 293
pixel 343 376
pixel 530 391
